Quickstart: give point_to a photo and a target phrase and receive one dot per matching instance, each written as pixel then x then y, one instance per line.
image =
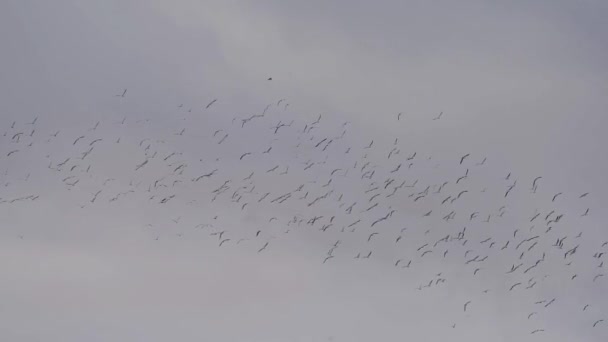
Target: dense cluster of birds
pixel 358 199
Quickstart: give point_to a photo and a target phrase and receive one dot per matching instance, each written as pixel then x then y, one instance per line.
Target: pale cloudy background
pixel 524 84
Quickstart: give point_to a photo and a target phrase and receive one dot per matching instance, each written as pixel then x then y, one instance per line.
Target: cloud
pixel 519 84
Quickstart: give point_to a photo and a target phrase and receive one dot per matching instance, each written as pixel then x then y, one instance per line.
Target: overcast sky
pixel 521 84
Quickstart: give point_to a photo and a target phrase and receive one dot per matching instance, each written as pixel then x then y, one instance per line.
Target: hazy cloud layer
pixel 522 85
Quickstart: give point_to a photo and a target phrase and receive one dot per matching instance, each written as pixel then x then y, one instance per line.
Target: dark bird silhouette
pixel 461 193
pixel 509 189
pixel 534 217
pixel 80 137
pixel 141 165
pixel 95 196
pixel 464 157
pixel 371 236
pixel 514 285
pixel 535 181
pixel 263 248
pixel 210 103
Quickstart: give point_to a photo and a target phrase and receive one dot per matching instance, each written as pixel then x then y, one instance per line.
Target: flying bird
pixel 264 247
pixel 371 236
pixel 80 137
pixel 535 181
pixel 210 103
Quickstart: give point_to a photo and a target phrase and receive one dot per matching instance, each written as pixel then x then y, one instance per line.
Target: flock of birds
pixel 361 200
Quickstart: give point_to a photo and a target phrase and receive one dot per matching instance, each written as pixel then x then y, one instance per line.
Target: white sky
pixel 522 85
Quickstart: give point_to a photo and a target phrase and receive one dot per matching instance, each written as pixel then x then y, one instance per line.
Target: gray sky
pixel 522 85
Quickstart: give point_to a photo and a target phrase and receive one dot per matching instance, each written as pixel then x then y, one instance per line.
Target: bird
pixel 514 285
pixel 371 235
pixel 263 247
pixel 554 197
pixel 509 190
pixel 210 103
pixel 80 137
pixel 464 157
pixel 534 182
pixel 438 116
pixel 123 93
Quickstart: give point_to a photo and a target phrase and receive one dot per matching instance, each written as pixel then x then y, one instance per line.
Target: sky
pixel 521 84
